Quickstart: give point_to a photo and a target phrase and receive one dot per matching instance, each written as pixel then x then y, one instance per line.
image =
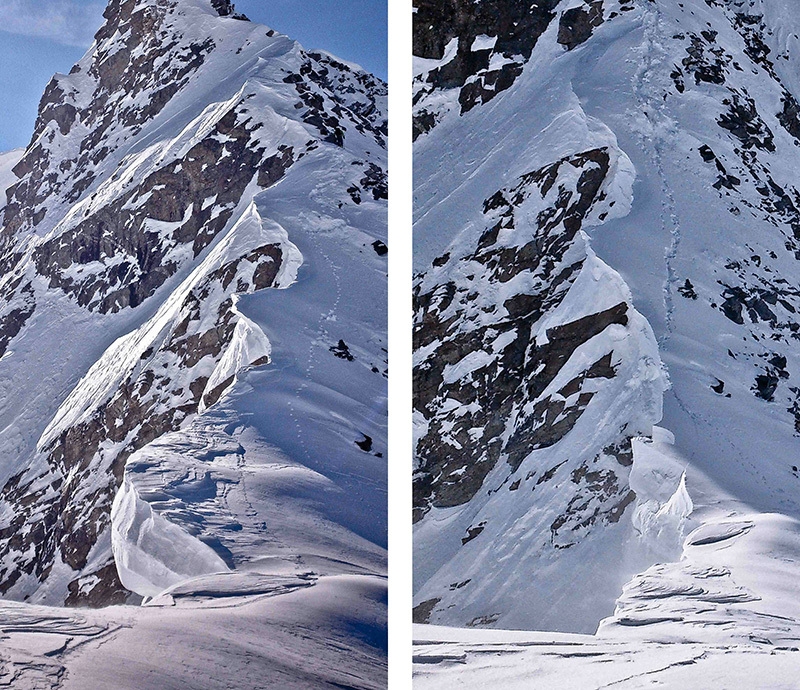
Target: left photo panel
pixel 193 344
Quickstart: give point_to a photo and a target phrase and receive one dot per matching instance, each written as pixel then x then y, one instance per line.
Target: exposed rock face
pixel 478 50
pixel 331 92
pixel 576 24
pixel 497 419
pixel 130 86
pixel 225 8
pixel 512 352
pixel 134 235
pixel 134 215
pixel 492 41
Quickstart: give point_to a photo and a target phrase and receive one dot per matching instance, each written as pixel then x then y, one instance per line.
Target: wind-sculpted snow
pixel 733 585
pixel 172 181
pixel 224 486
pixel 697 101
pixel 152 554
pixel 281 622
pixel 449 658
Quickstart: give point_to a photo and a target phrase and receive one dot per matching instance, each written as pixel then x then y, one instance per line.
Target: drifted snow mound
pixel 735 584
pixel 248 346
pixel 151 553
pixel 663 503
pixel 726 615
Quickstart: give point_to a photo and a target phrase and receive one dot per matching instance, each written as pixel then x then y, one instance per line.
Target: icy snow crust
pixel 265 489
pixel 706 557
pixel 285 624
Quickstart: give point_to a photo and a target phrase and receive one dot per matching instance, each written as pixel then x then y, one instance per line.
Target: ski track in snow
pixel 656 140
pixel 315 345
pixel 652 106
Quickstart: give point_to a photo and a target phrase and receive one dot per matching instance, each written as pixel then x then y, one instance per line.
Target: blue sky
pixel 41 37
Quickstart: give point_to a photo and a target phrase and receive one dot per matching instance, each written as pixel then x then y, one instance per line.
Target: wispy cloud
pixel 69 22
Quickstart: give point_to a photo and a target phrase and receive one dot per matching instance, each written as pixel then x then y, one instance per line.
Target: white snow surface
pixel 724 615
pixel 450 658
pixel 7 177
pixel 151 553
pixel 336 283
pixel 279 623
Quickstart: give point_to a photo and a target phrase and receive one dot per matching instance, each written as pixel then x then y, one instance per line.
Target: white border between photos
pixel 400 363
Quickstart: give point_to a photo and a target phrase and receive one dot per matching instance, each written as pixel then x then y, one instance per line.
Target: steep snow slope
pixel 7 163
pixel 193 328
pixel 688 220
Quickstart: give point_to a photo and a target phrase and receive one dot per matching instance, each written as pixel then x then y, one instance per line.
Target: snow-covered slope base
pixel 451 658
pixel 270 627
pixel 726 615
pixel 648 150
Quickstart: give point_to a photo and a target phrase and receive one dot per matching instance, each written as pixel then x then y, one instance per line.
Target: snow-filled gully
pixel 652 106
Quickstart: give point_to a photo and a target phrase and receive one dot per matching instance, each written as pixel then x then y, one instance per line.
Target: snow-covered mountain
pixel 193 320
pixel 607 236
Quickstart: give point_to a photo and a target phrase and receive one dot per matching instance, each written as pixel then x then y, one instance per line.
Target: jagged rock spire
pixel 226 9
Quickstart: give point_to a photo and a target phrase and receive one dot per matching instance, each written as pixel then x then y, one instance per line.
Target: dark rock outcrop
pixel 503 400
pixel 515 27
pixel 577 24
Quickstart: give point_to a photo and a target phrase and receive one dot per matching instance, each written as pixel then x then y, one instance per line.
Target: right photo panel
pixel 606 344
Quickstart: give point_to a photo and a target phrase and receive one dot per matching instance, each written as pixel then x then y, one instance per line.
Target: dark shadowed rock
pixel 423 611
pixel 510 386
pixel 516 27
pixel 576 24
